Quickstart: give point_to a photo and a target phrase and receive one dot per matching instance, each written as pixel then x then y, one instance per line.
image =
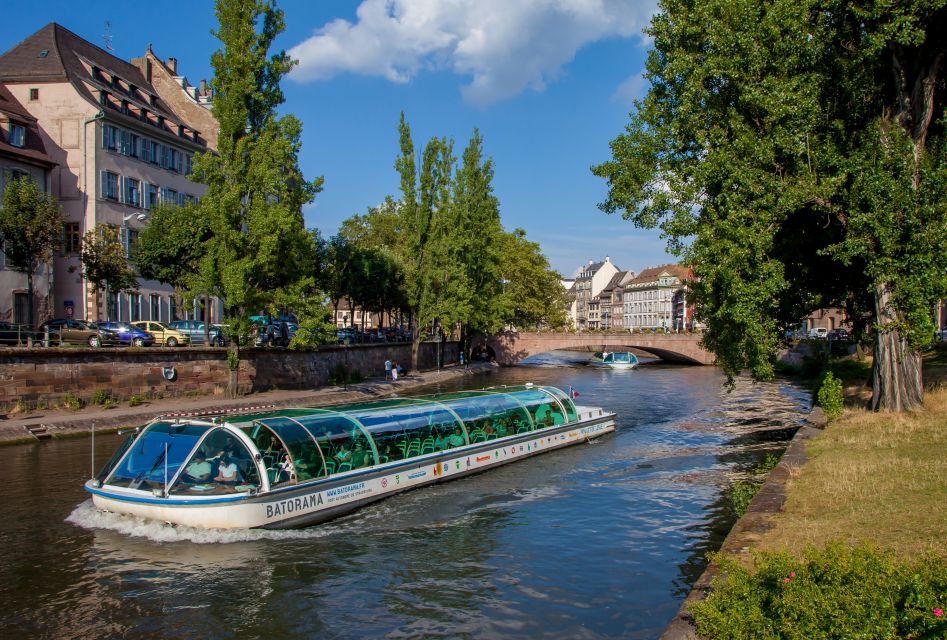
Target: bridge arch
pixel 511 347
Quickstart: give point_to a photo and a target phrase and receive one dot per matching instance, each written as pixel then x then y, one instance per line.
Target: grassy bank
pixel 874 478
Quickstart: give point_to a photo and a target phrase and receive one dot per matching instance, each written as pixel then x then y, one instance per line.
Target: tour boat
pixel 615 359
pixel 301 466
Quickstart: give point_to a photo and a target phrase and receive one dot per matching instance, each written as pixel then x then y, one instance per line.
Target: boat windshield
pixel 155 457
pixel 220 464
pixel 566 402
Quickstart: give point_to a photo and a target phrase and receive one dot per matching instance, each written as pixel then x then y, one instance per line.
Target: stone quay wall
pixel 47 376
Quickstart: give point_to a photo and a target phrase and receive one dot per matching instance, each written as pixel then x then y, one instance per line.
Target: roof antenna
pixel 107 36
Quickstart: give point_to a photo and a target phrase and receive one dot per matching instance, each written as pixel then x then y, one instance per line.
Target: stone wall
pixel 47 375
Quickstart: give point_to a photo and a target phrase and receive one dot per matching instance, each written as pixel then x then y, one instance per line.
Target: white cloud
pixel 502 46
pixel 631 89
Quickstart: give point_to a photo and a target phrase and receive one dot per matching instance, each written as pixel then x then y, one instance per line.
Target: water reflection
pixel 594 541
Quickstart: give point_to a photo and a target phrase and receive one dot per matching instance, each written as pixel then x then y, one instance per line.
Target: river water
pixel 600 540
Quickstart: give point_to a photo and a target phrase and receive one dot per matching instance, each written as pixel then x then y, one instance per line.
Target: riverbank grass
pixel 874 478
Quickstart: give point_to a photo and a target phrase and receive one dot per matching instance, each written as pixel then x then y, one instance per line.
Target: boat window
pixel 543 408
pixel 305 459
pixel 412 429
pixel 489 416
pixel 221 464
pixel 126 443
pixel 343 445
pixel 156 455
pixel 566 402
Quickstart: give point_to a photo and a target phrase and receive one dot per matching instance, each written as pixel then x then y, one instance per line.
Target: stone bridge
pixel 511 347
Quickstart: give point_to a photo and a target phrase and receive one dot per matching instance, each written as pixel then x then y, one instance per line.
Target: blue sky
pixel 547 82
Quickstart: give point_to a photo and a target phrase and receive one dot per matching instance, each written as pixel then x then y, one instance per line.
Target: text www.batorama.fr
pixel 305 503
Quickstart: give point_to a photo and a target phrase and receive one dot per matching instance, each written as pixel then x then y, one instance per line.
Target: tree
pixel 30 224
pixel 532 292
pixel 105 263
pixel 793 154
pixel 259 248
pixel 171 247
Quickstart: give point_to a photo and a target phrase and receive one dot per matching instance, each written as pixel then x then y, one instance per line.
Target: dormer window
pixel 17 135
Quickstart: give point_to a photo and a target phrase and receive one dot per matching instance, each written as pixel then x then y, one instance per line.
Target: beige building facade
pixel 119 148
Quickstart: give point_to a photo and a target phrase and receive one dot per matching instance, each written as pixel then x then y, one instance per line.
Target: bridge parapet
pixel 510 347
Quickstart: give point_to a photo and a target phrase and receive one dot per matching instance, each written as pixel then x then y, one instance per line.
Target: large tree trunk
pixel 897 382
pixel 415 343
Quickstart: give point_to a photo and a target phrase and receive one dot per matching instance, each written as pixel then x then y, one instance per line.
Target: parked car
pixel 127 334
pixel 108 337
pixel 69 331
pixel 195 330
pixel 271 335
pixel 839 335
pixel 345 335
pixel 818 333
pixel 163 333
pixel 218 335
pixel 17 334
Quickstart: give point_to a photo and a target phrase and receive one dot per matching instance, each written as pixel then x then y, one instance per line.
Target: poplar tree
pixel 259 248
pixel 30 224
pixel 793 152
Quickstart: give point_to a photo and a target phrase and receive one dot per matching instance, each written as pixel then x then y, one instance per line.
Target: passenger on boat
pixel 456 439
pixel 361 457
pixel 227 471
pixel 488 429
pixel 344 454
pixel 287 470
pixel 503 428
pixel 199 469
pixel 441 441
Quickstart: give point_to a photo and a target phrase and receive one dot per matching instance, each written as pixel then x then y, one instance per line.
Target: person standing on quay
pixel 387 369
pixel 394 372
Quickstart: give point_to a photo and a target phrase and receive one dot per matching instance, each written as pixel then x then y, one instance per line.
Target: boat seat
pixel 345 466
pixel 330 467
pixel 522 429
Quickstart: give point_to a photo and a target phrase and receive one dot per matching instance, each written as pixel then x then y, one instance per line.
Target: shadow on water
pixel 599 540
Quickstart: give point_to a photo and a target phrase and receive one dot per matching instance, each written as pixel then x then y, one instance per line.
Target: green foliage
pixel 342 375
pixel 836 592
pixel 830 397
pixel 791 156
pixel 71 401
pixel 532 295
pixel 741 493
pixel 30 224
pixel 170 248
pixel 104 262
pixel 100 397
pixel 233 360
pixel 258 247
pixel 136 400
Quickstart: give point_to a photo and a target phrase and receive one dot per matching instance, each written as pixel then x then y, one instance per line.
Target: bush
pixel 830 396
pixel 101 396
pixel 72 401
pixel 836 592
pixel 136 400
pixel 741 493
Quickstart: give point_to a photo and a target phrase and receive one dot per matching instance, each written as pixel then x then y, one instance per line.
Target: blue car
pixel 129 335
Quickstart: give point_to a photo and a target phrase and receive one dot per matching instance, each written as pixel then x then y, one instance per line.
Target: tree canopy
pixel 105 261
pixel 793 154
pixel 30 226
pixel 258 249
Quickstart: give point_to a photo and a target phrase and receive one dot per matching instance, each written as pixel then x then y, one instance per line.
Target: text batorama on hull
pixel 298 467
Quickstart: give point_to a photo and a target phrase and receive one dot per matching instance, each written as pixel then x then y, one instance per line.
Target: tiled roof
pixel 615 281
pixel 56 53
pixel 651 274
pixel 33 148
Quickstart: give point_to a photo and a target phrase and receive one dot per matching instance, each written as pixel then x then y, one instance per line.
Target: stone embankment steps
pixel 36 425
pixel 758 518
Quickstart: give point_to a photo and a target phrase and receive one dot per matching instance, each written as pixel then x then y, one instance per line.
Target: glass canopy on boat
pixel 296 445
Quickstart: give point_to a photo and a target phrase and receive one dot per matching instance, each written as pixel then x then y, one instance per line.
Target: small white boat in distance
pixel 297 467
pixel 615 359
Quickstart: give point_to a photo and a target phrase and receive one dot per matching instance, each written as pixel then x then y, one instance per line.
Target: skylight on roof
pixel 43 53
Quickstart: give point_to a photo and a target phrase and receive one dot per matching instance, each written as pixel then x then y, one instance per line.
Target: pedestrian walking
pixel 387 369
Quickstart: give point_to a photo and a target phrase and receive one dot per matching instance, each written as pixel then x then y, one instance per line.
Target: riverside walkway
pixel 65 423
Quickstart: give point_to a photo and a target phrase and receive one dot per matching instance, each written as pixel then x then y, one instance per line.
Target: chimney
pixel 591 262
pixel 606 259
pixel 203 87
pixel 148 69
pixel 173 66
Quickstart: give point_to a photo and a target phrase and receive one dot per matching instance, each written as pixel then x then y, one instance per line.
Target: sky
pixel 548 83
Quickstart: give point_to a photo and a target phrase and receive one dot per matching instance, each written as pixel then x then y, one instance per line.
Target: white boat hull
pixel 320 500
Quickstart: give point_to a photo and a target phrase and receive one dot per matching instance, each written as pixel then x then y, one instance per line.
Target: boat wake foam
pixel 88 516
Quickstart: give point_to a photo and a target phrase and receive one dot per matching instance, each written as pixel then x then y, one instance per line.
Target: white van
pixel 818 333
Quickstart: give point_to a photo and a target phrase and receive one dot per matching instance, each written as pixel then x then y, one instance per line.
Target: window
pixel 131 193
pixel 112 304
pixel 134 307
pixel 151 195
pixel 155 301
pixel 71 239
pixel 169 196
pixel 153 154
pixel 131 241
pixel 182 199
pixel 17 135
pixel 110 137
pixel 172 309
pixel 21 308
pixel 130 144
pixel 109 185
pixel 34 95
pixel 188 164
